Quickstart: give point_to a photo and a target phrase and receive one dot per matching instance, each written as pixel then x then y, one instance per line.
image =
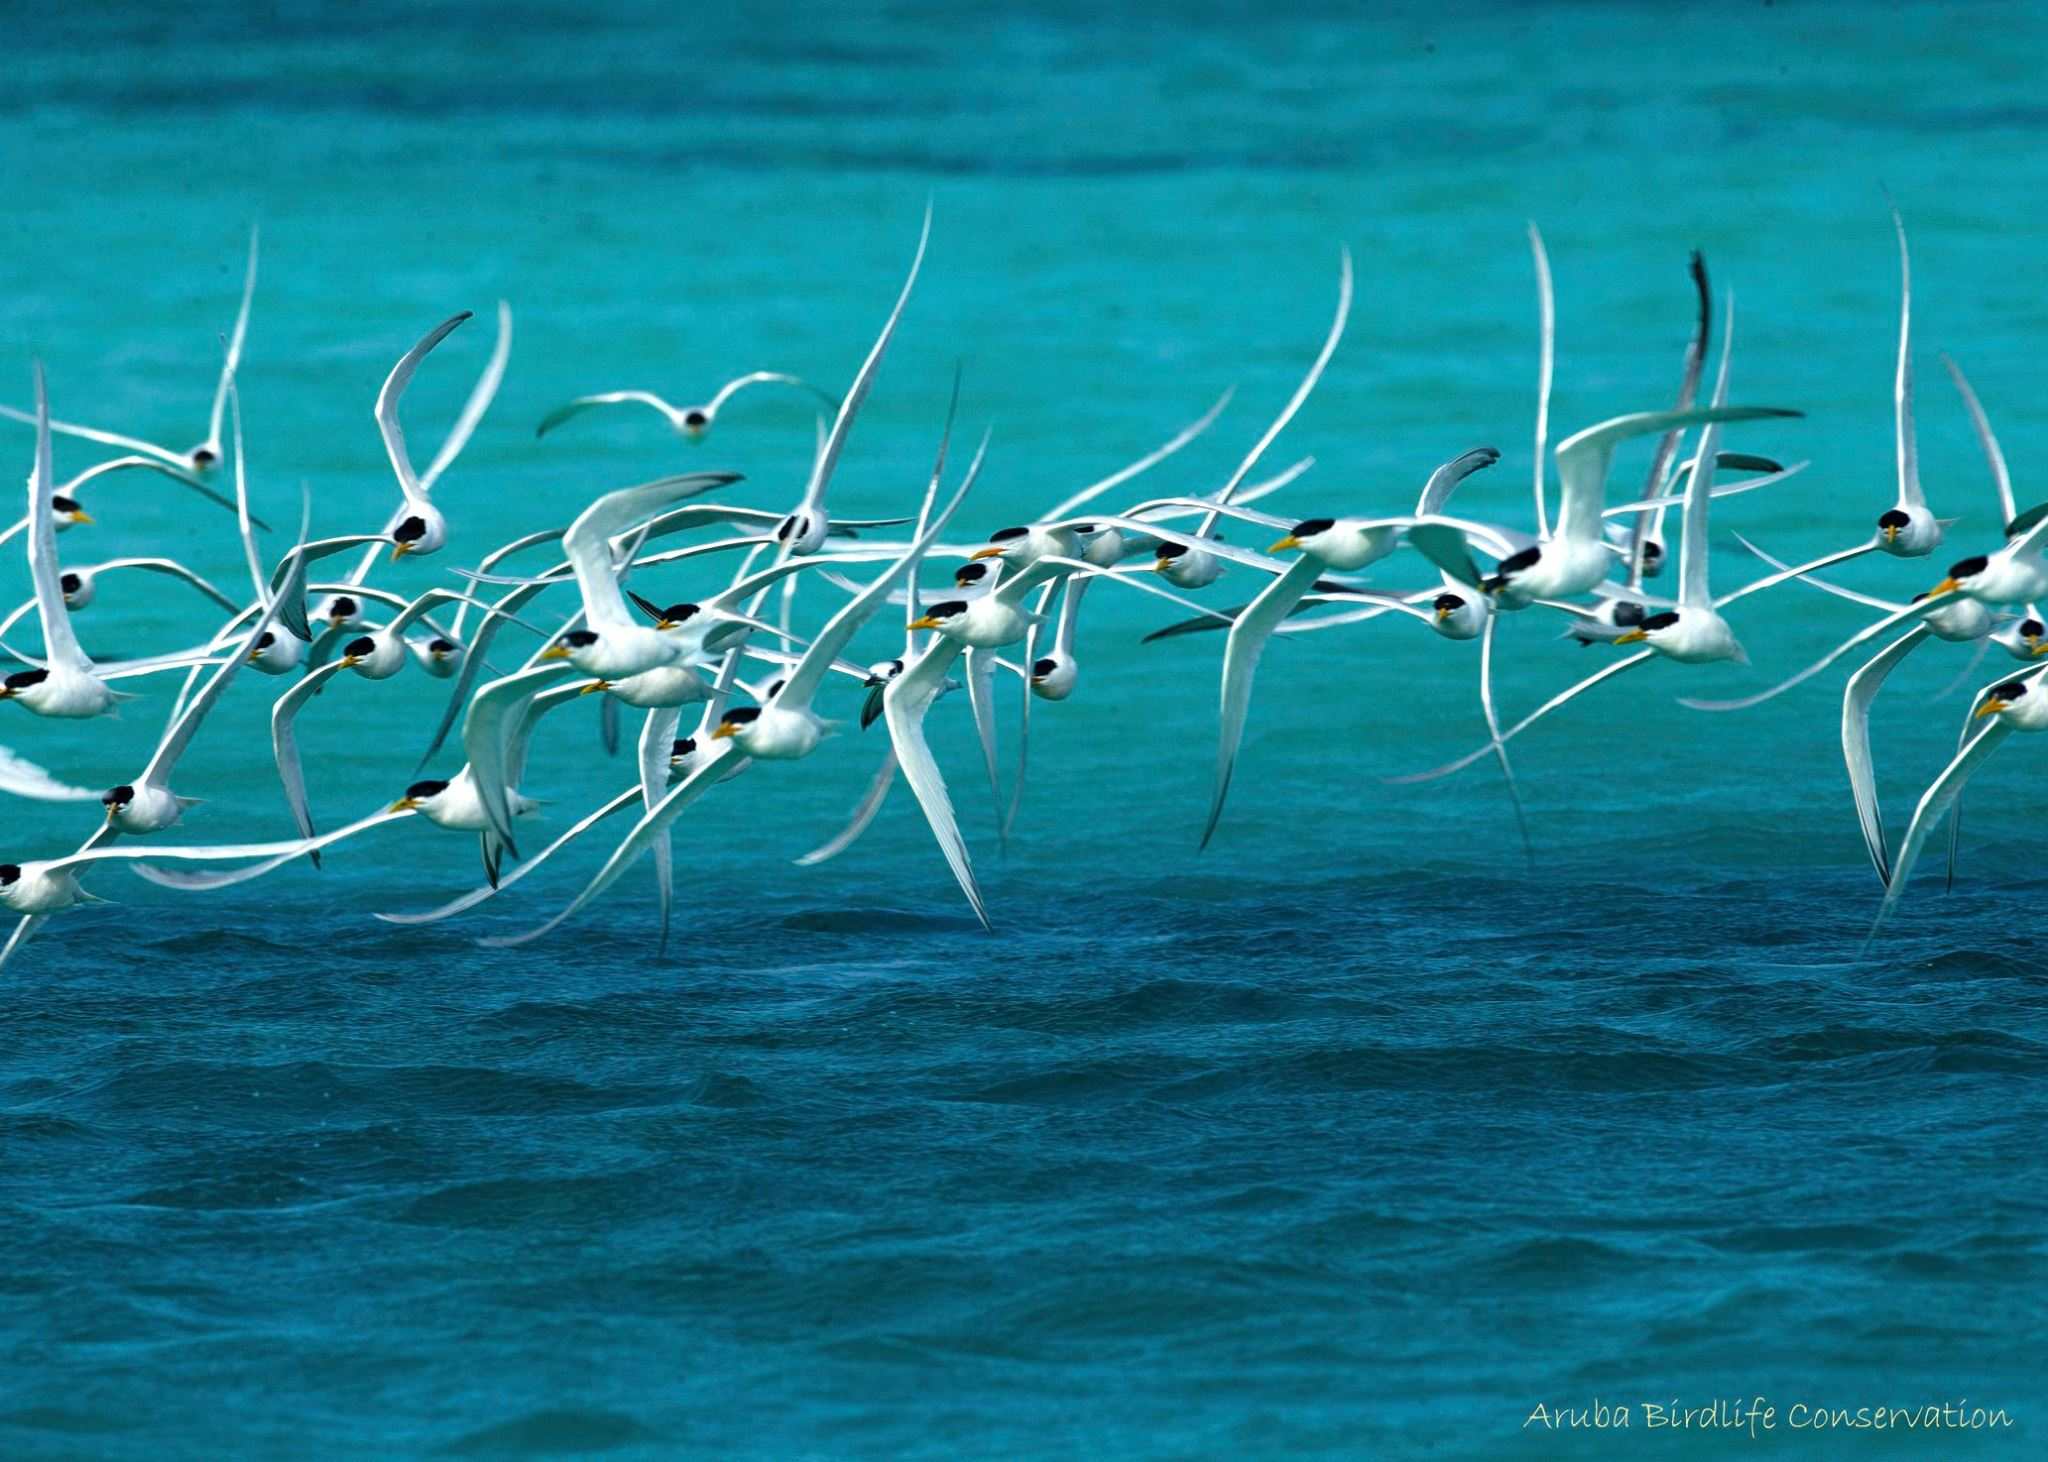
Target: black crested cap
pixel 1628 613
pixel 1169 550
pixel 265 640
pixel 2033 629
pixel 794 526
pixel 442 646
pixel 1892 518
pixel 695 416
pixel 410 531
pixel 343 605
pixel 1514 563
pixel 1084 528
pixel 23 679
pixel 1309 527
pixel 1663 619
pixel 1448 602
pixel 947 609
pixel 8 873
pixel 69 582
pixel 1964 568
pixel 742 715
pixel 429 788
pixel 1653 549
pixel 119 796
pixel 1044 667
pixel 360 646
pixel 64 504
pixel 2012 690
pixel 683 746
pixel 576 639
pixel 1004 535
pixel 969 573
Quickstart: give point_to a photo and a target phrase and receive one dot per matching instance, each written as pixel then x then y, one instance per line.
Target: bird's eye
pixel 9 872
pixel 2012 690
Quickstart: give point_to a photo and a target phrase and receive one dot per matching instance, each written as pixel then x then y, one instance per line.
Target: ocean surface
pixel 1356 1135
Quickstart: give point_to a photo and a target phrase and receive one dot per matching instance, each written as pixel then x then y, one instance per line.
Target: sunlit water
pixel 1352 1135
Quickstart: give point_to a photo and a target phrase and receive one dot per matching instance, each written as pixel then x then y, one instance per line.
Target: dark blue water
pixel 1352 1136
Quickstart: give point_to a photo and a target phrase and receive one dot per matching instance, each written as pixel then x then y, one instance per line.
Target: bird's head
pixel 680 751
pixel 69 513
pixel 735 721
pixel 1892 522
pixel 419 794
pixel 357 650
pixel 1961 572
pixel 1003 542
pixel 938 616
pixel 10 874
pixel 21 680
pixel 2002 697
pixel 882 672
pixel 695 421
pixel 1303 534
pixel 968 575
pixel 117 798
pixel 1646 626
pixel 568 644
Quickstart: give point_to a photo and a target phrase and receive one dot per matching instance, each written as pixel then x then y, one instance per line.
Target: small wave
pixel 542 1433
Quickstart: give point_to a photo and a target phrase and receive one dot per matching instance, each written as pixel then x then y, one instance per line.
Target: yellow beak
pixel 725 729
pixel 81 516
pixel 1943 587
pixel 664 624
pixel 399 551
pixel 1290 541
pixel 923 621
pixel 112 812
pixel 986 553
pixel 2038 648
pixel 1442 615
pixel 349 660
pixel 404 804
pixel 1891 534
pixel 1630 637
pixel 554 652
pixel 594 687
pixel 6 694
pixel 1991 708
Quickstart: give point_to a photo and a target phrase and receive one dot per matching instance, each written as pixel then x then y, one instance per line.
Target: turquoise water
pixel 1351 1136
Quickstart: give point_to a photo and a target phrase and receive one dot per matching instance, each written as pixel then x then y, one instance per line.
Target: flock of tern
pixel 734 664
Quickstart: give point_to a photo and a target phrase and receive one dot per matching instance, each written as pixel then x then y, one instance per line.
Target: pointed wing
pixel 1444 481
pixel 1583 458
pixel 1546 310
pixel 1856 698
pixel 1934 804
pixel 387 406
pixel 284 743
pixel 1241 653
pixel 481 395
pixel 60 641
pixel 1910 495
pixel 233 362
pixel 904 703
